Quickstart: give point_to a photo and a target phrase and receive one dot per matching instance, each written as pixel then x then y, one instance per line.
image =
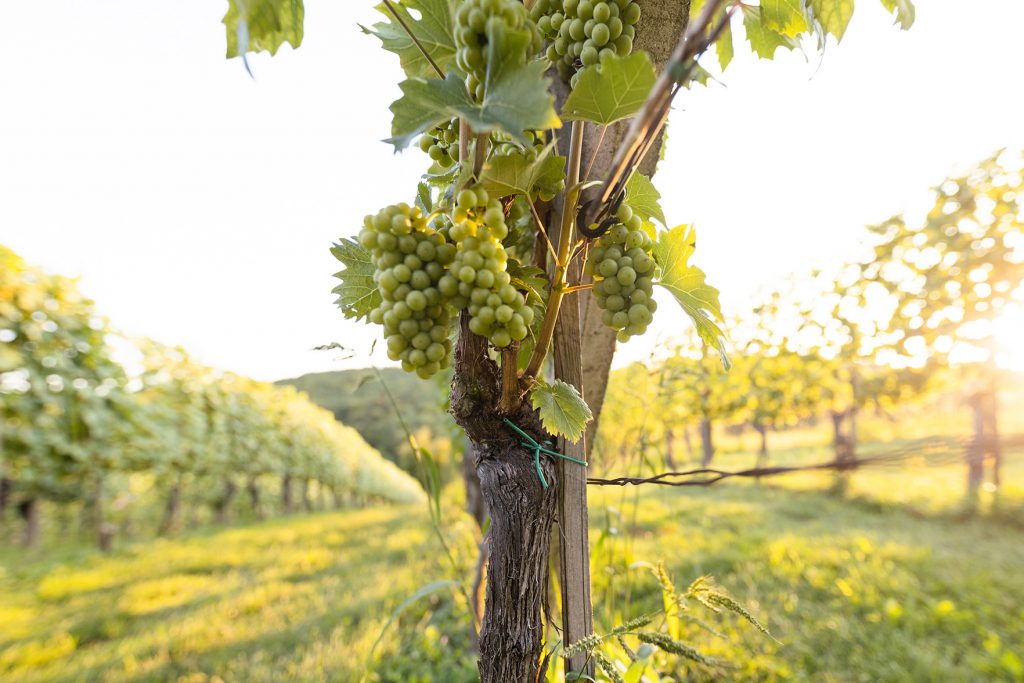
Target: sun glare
pixel 1009 334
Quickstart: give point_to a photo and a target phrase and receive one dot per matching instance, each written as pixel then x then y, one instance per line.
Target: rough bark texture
pixel 474 497
pixel 521 513
pixel 661 24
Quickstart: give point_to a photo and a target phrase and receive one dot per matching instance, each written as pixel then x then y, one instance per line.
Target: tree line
pixel 76 425
pixel 920 312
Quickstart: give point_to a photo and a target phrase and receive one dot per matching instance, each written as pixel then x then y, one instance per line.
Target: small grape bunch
pixel 475 23
pixel 477 279
pixel 410 260
pixel 442 143
pixel 624 272
pixel 581 31
pixel 503 145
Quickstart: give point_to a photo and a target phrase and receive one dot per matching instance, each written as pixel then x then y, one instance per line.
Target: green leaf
pixel 357 292
pixel 516 96
pixel 425 104
pixel 904 11
pixel 643 198
pixel 610 91
pixel 529 279
pixel 724 47
pixel 424 200
pixel 424 591
pixel 833 15
pixel 562 410
pixel 784 16
pixel 255 25
pixel 763 41
pixel 644 656
pixel 517 174
pixel 686 283
pixel 433 29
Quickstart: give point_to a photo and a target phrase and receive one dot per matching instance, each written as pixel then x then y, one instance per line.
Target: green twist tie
pixel 541 448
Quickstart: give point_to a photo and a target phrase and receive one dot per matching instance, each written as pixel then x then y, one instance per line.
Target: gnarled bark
pixel 521 511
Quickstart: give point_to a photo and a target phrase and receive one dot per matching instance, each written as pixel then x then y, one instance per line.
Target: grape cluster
pixel 503 145
pixel 442 143
pixel 476 279
pixel 624 272
pixel 410 260
pixel 474 27
pixel 581 31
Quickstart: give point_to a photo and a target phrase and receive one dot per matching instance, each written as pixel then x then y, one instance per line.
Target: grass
pixel 889 584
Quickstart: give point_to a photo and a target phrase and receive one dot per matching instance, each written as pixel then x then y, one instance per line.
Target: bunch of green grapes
pixel 410 260
pixel 503 145
pixel 442 143
pixel 581 31
pixel 624 272
pixel 476 279
pixel 474 26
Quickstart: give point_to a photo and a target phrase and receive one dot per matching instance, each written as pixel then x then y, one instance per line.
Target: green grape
pixel 477 279
pixel 442 143
pixel 475 21
pixel 410 260
pixel 582 32
pixel 624 272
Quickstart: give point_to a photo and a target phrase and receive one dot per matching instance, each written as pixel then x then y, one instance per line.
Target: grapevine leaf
pixel 357 292
pixel 562 410
pixel 517 174
pixel 763 40
pixel 643 198
pixel 785 17
pixel 433 30
pixel 529 279
pixel 833 15
pixel 611 91
pixel 425 104
pixel 516 96
pixel 724 47
pixel 256 25
pixel 903 10
pixel 424 200
pixel 686 283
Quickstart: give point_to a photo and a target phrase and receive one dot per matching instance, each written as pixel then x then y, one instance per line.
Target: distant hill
pixel 357 399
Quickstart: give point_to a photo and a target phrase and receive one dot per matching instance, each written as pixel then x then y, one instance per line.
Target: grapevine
pixel 410 259
pixel 624 272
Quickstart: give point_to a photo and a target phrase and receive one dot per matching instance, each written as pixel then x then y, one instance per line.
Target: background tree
pixel 956 276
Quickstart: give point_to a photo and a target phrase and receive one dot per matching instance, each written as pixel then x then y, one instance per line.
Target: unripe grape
pixel 410 259
pixel 623 277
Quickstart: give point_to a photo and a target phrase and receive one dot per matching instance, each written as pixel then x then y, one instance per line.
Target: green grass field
pixel 869 588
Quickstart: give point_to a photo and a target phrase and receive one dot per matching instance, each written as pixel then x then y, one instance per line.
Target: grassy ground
pixel 877 587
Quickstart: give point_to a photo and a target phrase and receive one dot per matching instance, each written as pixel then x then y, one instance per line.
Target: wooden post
pixel 574 545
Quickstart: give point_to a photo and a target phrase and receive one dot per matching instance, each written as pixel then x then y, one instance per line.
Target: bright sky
pixel 198 205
